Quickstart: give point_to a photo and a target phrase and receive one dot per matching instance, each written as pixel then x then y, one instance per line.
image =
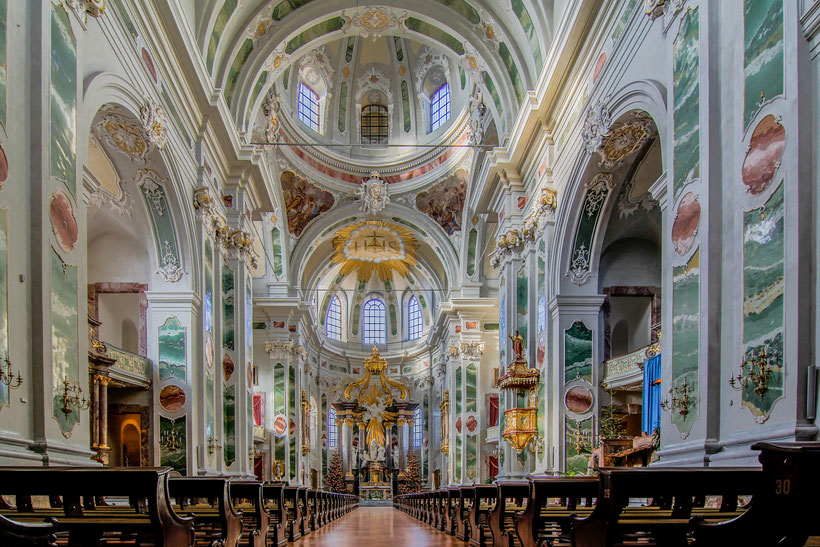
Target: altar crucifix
pixel 375 403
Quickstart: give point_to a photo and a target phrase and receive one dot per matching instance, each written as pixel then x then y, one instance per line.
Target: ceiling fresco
pixel 444 202
pixel 374 246
pixel 303 201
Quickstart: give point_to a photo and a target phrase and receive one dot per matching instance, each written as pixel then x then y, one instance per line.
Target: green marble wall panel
pixel 228 319
pixel 472 239
pixel 464 9
pixel 291 392
pixel 126 18
pixel 219 27
pixel 351 45
pixel 156 202
pixel 620 26
pixel 63 98
pixel 512 70
pixel 424 310
pixel 578 352
pixel 393 322
pixel 325 27
pixel 522 302
pixel 249 316
pixel 279 449
pixel 171 344
pixel 596 196
pixel 471 458
pixel 685 334
pixel 502 326
pixel 463 76
pixel 686 90
pixel 405 105
pixel 210 411
pixel 4 299
pixel 763 64
pixel 577 443
pixel 458 458
pixel 239 61
pixel 173 458
pixel 277 252
pixel 410 225
pixel 471 399
pixel 425 412
pixel 763 293
pixel 292 443
pixel 279 388
pixel 354 328
pixel 65 347
pixel 459 391
pixel 286 78
pixel 257 89
pixel 3 61
pixel 434 33
pixel 285 8
pixel 326 438
pixel 229 425
pixel 529 29
pixel 399 48
pixel 490 84
pixel 343 107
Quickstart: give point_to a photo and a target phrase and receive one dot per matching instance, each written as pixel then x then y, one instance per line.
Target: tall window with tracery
pixel 440 107
pixel 333 320
pixel 332 431
pixel 374 124
pixel 414 322
pixel 418 428
pixel 308 107
pixel 375 322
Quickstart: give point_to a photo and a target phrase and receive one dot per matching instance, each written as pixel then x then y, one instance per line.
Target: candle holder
pixel 679 399
pixel 73 396
pixel 213 444
pixel 169 439
pixel 8 377
pixel 756 371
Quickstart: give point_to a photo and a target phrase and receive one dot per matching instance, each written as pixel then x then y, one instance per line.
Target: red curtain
pixel 492 466
pixel 257 467
pixel 258 407
pixel 493 410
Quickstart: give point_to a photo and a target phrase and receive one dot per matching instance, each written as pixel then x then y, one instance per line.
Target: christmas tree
pixel 412 476
pixel 335 475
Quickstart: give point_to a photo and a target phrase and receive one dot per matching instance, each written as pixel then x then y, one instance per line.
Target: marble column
pixel 103 447
pixel 95 413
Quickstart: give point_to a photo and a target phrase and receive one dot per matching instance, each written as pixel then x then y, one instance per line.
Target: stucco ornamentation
pixel 375 21
pixel 372 194
pixel 579 269
pixel 170 269
pixel 624 141
pixel 428 59
pixel 596 127
pixel 154 124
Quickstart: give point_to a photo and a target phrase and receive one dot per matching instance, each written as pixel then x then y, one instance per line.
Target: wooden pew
pixel 293 513
pixel 613 521
pixel 149 516
pixel 436 509
pixel 208 500
pixel 35 534
pixel 465 502
pixel 304 527
pixel 450 510
pixel 313 510
pixel 485 497
pixel 784 510
pixel 274 498
pixel 541 521
pixel 512 497
pixel 247 498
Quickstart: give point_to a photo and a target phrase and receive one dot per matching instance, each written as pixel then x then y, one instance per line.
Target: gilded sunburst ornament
pixel 374 246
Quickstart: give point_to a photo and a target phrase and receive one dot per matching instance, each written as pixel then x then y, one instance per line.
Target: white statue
pixel 395 459
pixel 380 455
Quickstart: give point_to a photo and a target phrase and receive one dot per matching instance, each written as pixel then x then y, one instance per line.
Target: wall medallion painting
pixel 763 293
pixel 764 154
pixel 303 201
pixel 172 398
pixel 63 222
pixel 444 202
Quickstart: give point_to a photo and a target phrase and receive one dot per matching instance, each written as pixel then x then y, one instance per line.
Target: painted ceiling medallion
pixel 623 142
pixel 172 398
pixel 578 399
pixel 375 21
pixel 374 246
pixel 4 165
pixel 372 194
pixel 63 222
pixel 764 155
pixel 123 135
pixel 685 225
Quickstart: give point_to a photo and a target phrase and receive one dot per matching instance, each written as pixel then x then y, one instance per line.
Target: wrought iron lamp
pixel 73 396
pixel 678 398
pixel 8 377
pixel 169 439
pixel 756 371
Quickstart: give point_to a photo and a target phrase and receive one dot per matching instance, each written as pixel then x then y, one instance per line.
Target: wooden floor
pixel 374 527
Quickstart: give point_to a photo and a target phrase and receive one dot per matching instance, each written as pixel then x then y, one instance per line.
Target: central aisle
pixel 375 526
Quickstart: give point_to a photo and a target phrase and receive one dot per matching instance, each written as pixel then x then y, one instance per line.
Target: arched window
pixel 418 427
pixel 375 323
pixel 374 124
pixel 414 322
pixel 331 428
pixel 308 107
pixel 440 107
pixel 333 320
